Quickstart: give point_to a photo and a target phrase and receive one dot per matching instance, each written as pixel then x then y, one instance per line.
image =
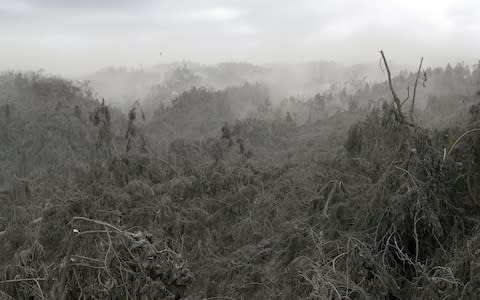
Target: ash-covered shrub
pixel 53 229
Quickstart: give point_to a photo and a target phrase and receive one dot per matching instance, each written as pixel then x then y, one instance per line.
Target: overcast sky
pixel 77 36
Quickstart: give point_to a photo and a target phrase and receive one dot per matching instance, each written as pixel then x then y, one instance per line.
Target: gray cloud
pixel 79 36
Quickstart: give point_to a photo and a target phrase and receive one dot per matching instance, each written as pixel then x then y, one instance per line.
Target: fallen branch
pixel 97 222
pixel 22 280
pixel 22 179
pixel 460 138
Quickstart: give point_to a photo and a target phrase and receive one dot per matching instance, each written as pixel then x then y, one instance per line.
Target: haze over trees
pixel 197 191
pixel 311 165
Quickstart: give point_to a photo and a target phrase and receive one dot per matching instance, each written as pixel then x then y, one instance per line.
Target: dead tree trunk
pixel 412 108
pixel 397 105
pixel 396 101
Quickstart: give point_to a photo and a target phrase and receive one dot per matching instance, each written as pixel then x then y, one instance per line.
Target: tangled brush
pixel 122 263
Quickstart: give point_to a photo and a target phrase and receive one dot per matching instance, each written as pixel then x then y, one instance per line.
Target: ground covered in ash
pixel 227 194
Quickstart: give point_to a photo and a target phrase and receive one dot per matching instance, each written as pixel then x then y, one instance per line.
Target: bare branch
pixel 22 280
pixel 460 138
pixel 408 96
pixel 415 90
pixel 398 111
pixel 395 97
pixel 330 197
pixel 97 222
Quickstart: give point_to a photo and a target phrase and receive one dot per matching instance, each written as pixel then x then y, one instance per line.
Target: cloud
pixel 260 31
pixel 13 7
pixel 211 14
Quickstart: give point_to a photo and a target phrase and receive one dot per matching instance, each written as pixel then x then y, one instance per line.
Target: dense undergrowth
pixel 346 205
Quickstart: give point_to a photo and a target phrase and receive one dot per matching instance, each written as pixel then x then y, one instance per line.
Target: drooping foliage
pixel 230 194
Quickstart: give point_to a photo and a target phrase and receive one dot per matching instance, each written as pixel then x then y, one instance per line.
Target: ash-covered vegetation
pixel 213 184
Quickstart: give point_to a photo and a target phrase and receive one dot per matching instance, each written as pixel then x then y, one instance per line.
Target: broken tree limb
pixel 412 108
pixel 408 96
pixel 398 111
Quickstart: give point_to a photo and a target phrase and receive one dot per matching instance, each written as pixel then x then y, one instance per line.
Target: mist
pixel 207 149
pixel 74 38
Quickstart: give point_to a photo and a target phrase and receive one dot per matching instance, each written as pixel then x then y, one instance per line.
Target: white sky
pixel 76 36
